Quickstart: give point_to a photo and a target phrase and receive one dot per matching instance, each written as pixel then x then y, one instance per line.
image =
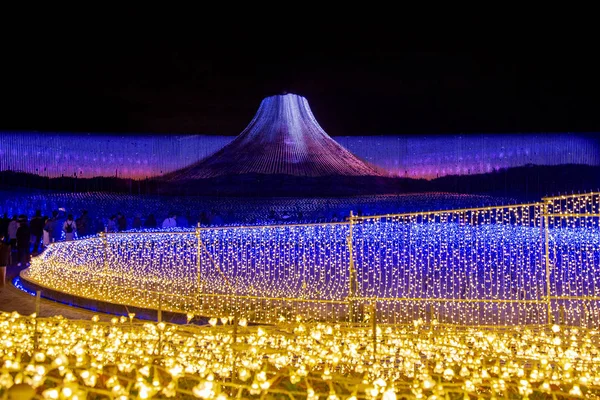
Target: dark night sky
pixel 356 84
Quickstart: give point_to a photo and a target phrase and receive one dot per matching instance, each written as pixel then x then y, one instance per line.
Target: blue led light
pixel 19 285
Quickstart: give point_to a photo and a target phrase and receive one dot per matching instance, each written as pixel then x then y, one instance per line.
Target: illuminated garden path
pixel 13 299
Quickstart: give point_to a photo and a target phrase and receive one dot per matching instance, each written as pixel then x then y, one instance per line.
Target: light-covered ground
pixel 234 211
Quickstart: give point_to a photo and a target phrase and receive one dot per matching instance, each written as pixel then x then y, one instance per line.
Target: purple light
pixel 283 138
pixel 429 157
pixel 91 155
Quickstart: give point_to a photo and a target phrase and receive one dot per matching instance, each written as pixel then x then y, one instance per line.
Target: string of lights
pixel 489 266
pixel 140 156
pixel 574 264
pixel 62 359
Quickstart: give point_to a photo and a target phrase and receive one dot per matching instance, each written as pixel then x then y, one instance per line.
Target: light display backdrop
pixel 432 156
pixel 87 155
pixel 518 264
pixel 54 358
pixel 140 156
pixel 283 138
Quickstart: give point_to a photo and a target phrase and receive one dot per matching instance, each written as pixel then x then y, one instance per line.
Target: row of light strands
pixel 121 359
pixel 574 257
pixel 479 266
pixel 141 156
pixel 491 255
pixel 303 263
pixel 149 270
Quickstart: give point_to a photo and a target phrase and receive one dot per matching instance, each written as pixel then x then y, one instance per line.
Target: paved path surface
pixel 13 299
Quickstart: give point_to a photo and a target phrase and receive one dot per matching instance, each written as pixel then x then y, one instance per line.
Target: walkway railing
pixel 491 266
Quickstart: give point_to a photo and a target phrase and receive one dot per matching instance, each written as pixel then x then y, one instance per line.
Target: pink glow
pixel 432 156
pixel 285 138
pixel 141 156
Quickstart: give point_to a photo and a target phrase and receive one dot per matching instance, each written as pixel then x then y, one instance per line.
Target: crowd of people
pixel 30 230
pixel 22 236
pixel 234 210
pixel 26 236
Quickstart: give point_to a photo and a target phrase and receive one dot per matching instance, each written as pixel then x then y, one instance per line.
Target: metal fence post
pixel 198 267
pixel 159 310
pixel 562 314
pixel 351 271
pixel 374 327
pixel 38 297
pixel 545 210
pixel 105 251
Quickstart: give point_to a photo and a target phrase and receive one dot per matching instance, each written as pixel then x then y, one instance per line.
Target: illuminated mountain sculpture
pixel 283 138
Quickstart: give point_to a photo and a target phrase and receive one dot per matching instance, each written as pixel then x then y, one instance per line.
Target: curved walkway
pixel 14 299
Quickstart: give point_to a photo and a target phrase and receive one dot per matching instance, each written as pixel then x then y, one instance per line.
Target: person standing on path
pixel 36 225
pixel 83 224
pixel 170 222
pixel 23 243
pixel 121 222
pixel 46 233
pixel 13 225
pixel 4 258
pixel 4 221
pixel 55 227
pixel 70 228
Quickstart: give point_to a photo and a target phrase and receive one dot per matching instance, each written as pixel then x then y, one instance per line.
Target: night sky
pixel 356 85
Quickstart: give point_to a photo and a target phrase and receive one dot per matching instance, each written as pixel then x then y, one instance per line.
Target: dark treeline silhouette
pixel 527 183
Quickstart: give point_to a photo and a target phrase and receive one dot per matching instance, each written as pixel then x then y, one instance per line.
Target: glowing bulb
pixel 575 391
pixel 389 394
pixel 50 394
